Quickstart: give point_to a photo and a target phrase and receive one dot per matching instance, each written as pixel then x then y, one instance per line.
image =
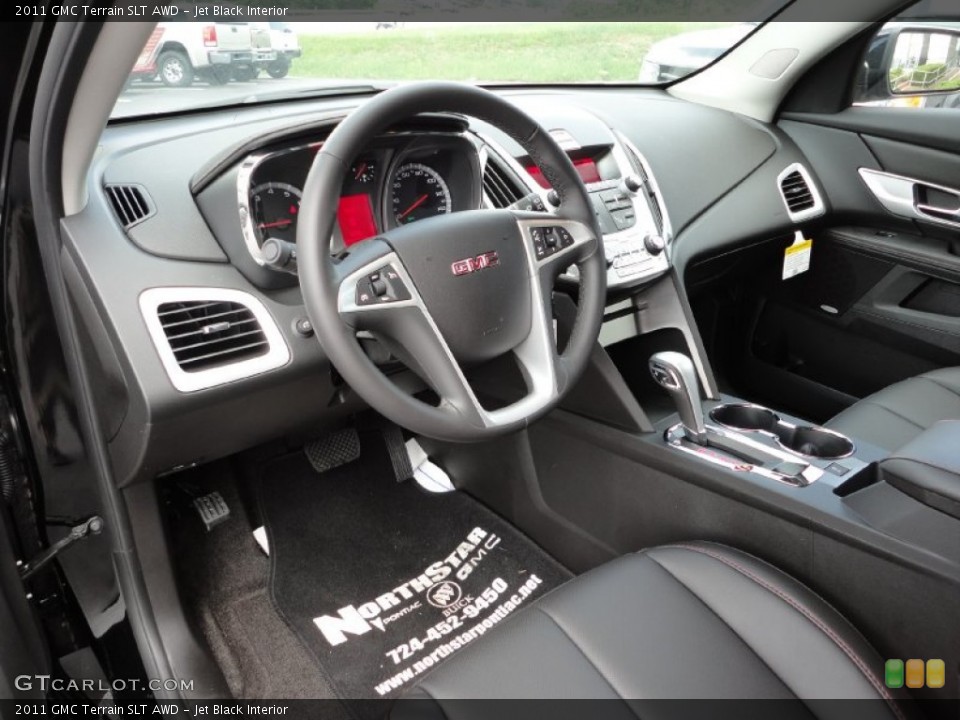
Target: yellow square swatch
pixel 936 674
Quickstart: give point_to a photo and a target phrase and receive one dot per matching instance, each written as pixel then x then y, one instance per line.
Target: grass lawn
pixel 531 52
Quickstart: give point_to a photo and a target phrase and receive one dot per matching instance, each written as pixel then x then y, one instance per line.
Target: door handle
pixel 939 213
pixel 901 196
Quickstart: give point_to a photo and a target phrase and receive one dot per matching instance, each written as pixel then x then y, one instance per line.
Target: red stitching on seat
pixel 848 651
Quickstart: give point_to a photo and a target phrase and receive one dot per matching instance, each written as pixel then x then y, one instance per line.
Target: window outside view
pixel 187 65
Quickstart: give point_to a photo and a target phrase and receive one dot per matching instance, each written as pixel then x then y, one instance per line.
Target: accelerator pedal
pixel 333 450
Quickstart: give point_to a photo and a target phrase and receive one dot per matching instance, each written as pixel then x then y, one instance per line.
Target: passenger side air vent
pixel 131 204
pixel 799 193
pixel 501 189
pixel 203 335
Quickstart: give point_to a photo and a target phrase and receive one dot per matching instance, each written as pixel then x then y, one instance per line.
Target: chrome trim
pixel 535 353
pixel 649 268
pixel 667 228
pixel 789 426
pixel 278 353
pixel 897 194
pixel 825 431
pixel 818 209
pixel 250 164
pixel 744 406
pixel 244 188
pixel 676 439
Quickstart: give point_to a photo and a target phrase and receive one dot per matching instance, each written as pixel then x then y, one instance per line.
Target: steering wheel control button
pixel 382 286
pixel 365 294
pixel 548 241
pixel 566 239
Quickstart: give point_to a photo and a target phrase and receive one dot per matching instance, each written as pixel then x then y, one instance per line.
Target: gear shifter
pixel 676 374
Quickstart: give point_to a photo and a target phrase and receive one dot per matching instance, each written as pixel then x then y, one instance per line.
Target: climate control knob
pixel 655 244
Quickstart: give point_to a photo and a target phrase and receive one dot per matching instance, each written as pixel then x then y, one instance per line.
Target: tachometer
pixel 274 208
pixel 419 192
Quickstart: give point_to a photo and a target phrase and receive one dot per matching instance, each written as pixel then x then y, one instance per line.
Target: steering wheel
pixel 454 290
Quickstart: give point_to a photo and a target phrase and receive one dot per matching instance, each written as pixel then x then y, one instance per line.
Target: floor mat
pixel 382 581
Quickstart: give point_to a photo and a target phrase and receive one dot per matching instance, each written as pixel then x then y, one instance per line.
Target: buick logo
pixel 475 264
pixel 445 594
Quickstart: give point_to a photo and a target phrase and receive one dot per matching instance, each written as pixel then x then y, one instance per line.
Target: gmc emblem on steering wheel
pixel 475 264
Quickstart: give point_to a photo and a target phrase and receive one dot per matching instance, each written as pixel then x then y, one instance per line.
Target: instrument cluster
pixel 399 180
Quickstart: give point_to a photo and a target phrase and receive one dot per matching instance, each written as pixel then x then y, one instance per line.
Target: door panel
pixel 883 292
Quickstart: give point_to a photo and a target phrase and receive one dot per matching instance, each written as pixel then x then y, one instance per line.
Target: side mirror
pixel 925 60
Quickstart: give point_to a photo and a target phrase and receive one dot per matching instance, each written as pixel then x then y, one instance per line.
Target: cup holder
pixel 817 443
pixel 745 417
pixel 810 442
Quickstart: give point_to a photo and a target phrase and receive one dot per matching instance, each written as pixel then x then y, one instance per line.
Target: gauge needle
pixel 419 201
pixel 363 166
pixel 277 224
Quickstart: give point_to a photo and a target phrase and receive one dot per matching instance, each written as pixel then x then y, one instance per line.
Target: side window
pixel 912 63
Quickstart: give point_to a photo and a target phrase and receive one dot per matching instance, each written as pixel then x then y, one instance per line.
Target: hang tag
pixel 796 258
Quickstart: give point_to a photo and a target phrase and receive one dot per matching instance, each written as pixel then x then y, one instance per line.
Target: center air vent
pixel 502 190
pixel 799 193
pixel 207 337
pixel 131 204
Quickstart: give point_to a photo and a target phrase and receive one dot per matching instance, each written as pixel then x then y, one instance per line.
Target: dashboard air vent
pixel 211 334
pixel 500 188
pixel 799 193
pixel 654 202
pixel 131 204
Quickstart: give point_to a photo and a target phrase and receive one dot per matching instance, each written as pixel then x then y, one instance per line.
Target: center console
pixel 751 439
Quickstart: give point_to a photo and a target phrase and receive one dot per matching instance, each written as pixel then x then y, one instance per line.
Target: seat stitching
pixel 940 385
pixel 893 412
pixel 807 613
pixel 587 658
pixel 724 622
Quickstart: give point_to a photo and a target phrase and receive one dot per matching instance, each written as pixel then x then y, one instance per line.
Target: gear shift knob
pixel 676 374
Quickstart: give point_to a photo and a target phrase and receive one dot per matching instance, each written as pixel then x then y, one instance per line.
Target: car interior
pixel 449 392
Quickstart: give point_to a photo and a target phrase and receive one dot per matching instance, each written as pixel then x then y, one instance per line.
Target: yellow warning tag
pixel 796 258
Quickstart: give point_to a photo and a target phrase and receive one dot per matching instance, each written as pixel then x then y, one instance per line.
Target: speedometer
pixel 419 192
pixel 275 207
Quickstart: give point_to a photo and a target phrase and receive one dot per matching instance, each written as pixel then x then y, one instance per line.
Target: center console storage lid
pixel 928 468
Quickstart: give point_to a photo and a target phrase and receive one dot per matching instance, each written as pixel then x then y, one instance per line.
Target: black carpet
pixel 383 581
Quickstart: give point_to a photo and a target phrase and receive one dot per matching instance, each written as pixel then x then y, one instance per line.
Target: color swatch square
pixel 915 673
pixel 936 674
pixel 893 673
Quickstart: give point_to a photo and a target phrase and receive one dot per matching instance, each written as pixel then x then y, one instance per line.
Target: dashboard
pixel 415 173
pixel 186 206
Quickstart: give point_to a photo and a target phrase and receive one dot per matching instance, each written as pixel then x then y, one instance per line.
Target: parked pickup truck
pixel 214 52
pixel 282 40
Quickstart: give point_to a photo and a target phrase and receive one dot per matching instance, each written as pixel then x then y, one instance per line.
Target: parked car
pixel 146 66
pixel 680 55
pixel 214 52
pixel 283 42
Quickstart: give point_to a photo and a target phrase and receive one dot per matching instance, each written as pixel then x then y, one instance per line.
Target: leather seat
pixel 896 415
pixel 697 620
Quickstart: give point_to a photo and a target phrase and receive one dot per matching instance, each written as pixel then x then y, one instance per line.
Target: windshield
pixel 192 65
